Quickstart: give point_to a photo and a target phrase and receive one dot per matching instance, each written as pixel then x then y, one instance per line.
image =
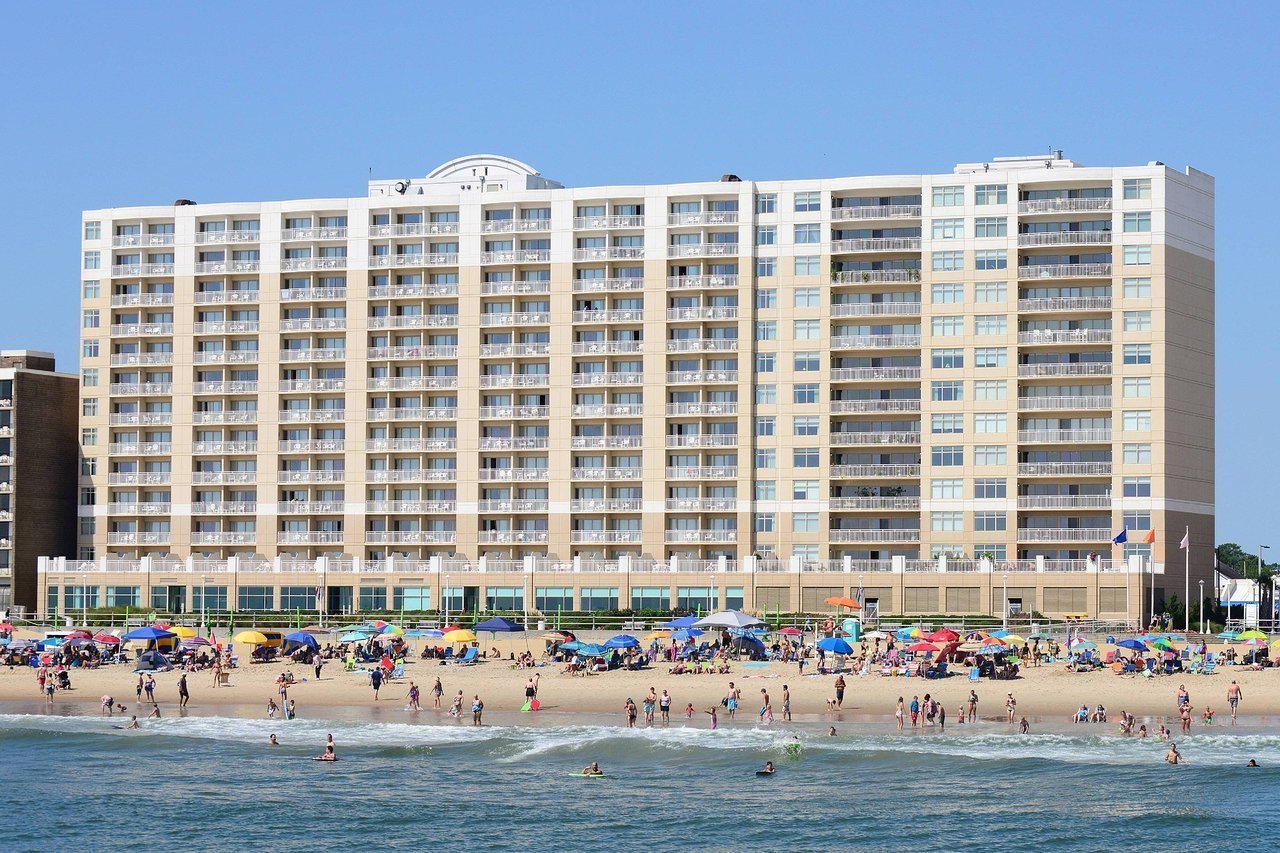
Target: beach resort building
pixel 482 388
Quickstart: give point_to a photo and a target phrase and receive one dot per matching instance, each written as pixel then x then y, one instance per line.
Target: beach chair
pixel 974 673
pixel 349 664
pixel 1210 664
pixel 398 672
pixel 469 658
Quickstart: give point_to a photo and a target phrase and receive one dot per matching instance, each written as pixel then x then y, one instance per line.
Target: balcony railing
pixel 876 244
pixel 314 324
pixel 675 441
pixel 136 508
pixel 701 505
pixel 516 318
pixel 707 377
pixel 703 217
pixel 135 389
pixel 875 342
pixel 875 309
pixel 703 472
pixel 414 259
pixel 300 385
pixel 698 250
pixel 232 235
pixel 412 475
pixel 303 416
pixel 608 410
pixel 136 330
pixel 604 285
pixel 502 288
pixel 706 312
pixel 395 291
pixel 296 294
pixel 1063 436
pixel 224 387
pixel 224 507
pixel 701 282
pixel 412 383
pixel 876 211
pixel 318 445
pixel 1064 205
pixel 690 536
pixel 138 538
pixel 1064 501
pixel 224 447
pixel 605 442
pixel 875 471
pixel 495 350
pixel 873 406
pixel 225 357
pixel 1065 303
pixel 701 409
pixel 609 253
pixel 119 270
pixel 310 537
pixel 140 448
pixel 606 473
pixel 874 535
pixel 516 506
pixel 873 374
pixel 512 537
pixel 853 439
pixel 128 241
pixel 225 327
pixel 515 412
pixel 410 537
pixel 414 413
pixel 142 478
pixel 123 359
pixel 1064 534
pixel 703 345
pixel 517 380
pixel 224 267
pixel 876 502
pixel 1065 336
pixel 414 321
pixel 605 536
pixel 225 417
pixel 222 538
pixel 516 256
pixel 140 418
pixel 893 276
pixel 125 300
pixel 429 445
pixel 316 354
pixel 597 223
pixel 1064 469
pixel 1065 238
pixel 603 347
pixel 586 380
pixel 413 229
pixel 1082 401
pixel 226 477
pixel 222 297
pixel 317 476
pixel 329 232
pixel 301 264
pixel 1035 271
pixel 606 505
pixel 614 316
pixel 1065 368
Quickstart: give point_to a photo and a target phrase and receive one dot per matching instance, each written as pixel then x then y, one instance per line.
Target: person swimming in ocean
pixel 271 741
pixel 133 722
pixel 329 754
pixel 592 769
pixel 768 770
pixel 1173 756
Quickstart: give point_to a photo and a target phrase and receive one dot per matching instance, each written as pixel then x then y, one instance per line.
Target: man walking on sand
pixel 1234 695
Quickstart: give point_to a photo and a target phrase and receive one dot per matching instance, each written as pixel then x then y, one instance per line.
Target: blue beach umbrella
pixel 591 650
pixel 302 638
pixel 682 622
pixel 424 632
pixel 1134 645
pixel 498 625
pixel 835 645
pixel 993 649
pixel 1227 635
pixel 686 634
pixel 999 634
pixel 1084 646
pixel 353 637
pixel 572 645
pixel 148 633
pixel 622 641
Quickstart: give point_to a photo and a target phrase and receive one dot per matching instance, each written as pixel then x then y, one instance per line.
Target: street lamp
pixel 1202 605
pixel 1004 619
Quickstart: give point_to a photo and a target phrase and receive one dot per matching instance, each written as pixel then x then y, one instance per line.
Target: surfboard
pixel 526 707
pixel 534 704
pixel 588 775
pixel 327 760
pixel 764 773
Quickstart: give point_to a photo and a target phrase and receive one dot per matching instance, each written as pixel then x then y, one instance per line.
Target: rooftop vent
pixel 183 202
pixel 730 179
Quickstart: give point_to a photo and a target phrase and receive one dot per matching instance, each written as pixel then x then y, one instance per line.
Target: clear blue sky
pixel 123 104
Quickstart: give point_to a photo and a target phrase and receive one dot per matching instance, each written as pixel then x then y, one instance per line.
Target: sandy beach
pixel 1048 693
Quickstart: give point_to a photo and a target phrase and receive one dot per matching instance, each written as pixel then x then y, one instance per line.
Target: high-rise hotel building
pixel 761 391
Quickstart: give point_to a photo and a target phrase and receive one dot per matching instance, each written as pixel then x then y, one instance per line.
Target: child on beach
pixel 272 707
pixel 413 697
pixel 455 710
pixel 712 712
pixel 437 690
pixel 688 711
pixel 1207 716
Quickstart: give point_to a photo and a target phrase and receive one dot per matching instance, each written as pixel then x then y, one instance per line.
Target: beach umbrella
pixel 6 627
pixel 318 629
pixel 302 638
pixel 1013 639
pixel 196 641
pixel 1135 645
pixel 21 644
pixel 976 635
pixel 447 628
pixel 973 646
pixel 78 635
pixel 572 646
pixel 835 645
pixel 1084 646
pixel 393 630
pixel 908 632
pixel 1000 633
pixel 876 635
pixel 728 619
pixel 993 641
pixel 945 635
pixel 558 636
pixel 252 638
pixel 922 647
pixel 791 631
pixel 622 641
pixel 353 637
pixel 1251 634
pixel 686 634
pixel 843 601
pixel 1227 635
pixel 498 625
pixel 660 634
pixel 424 632
pixel 591 650
pixel 992 649
pixel 79 641
pixel 152 633
pixel 459 635
pixel 1255 642
pixel 1162 644
pixel 681 622
pixel 1175 638
pixel 183 632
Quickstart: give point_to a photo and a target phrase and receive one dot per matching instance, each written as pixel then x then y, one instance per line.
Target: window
pixel 991 291
pixel 990 259
pixel 297 597
pixel 1137 288
pixel 947 357
pixel 804 490
pixel 806 362
pixel 808 297
pixel 89 436
pixel 991 422
pixel 89 407
pixel 93 230
pixel 990 324
pixel 766 267
pixel 765 490
pixel 808 201
pixel 764 522
pixel 947 326
pixel 1137 353
pixel 596 598
pixel 766 425
pixel 766 235
pixel 946 522
pixel 806 425
pixel 766 330
pixel 948 456
pixel 989 488
pixel 88 495
pixel 1137 222
pixel 946 391
pixel 89 377
pixel 91 289
pixel 948 196
pixel 1137 255
pixel 765 362
pixel 88 526
pixel 766 297
pixel 1137 188
pixel 991 226
pixel 1137 487
pixel 946 490
pixel 766 395
pixel 642 598
pixel 990 357
pixel 994 552
pixel 990 454
pixel 766 457
pixel 1137 520
pixel 991 194
pixel 89 348
pixel 809 233
pixel 1137 454
pixel 767 203
pixel 502 598
pixel 373 598
pixel 943 293
pixel 804 522
pixel 948 261
pixel 253 598
pixel 88 466
pixel 806 393
pixel 806 330
pixel 990 389
pixel 1137 321
pixel 948 229
pixel 987 522
pixel 93 260
pixel 91 319
pixel 806 264
pixel 944 424
pixel 1137 421
pixel 1136 386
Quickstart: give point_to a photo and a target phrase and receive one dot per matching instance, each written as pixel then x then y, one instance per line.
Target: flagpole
pixel 1186 553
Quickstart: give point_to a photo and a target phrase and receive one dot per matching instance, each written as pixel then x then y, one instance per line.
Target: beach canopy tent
pixel 727 619
pixel 622 641
pixel 152 661
pixel 682 622
pixel 498 625
pixel 150 632
pixel 835 645
pixel 298 639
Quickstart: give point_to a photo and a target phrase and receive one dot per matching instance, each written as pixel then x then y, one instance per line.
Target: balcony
pixel 515 412
pixel 677 441
pixel 138 538
pixel 692 536
pixel 133 508
pixel 516 380
pixel 412 383
pixel 703 472
pixel 876 211
pixel 608 410
pixel 701 505
pixel 1039 271
pixel 516 256
pixel 875 244
pixel 512 475
pixel 315 354
pixel 1065 368
pixel 876 276
pixel 706 312
pixel 587 380
pixel 512 537
pixel 1064 469
pixel 516 318
pixel 615 316
pixel 606 442
pixel 873 406
pixel 1064 436
pixel 1065 303
pixel 1065 238
pixel 609 253
pixel 703 377
pixel 414 259
pixel 599 223
pixel 225 477
pixel 224 387
pixel 873 374
pixel 414 413
pixel 123 359
pixel 606 474
pixel 858 439
pixel 225 327
pixel 121 270
pixel 338 232
pixel 412 507
pixel 498 350
pixel 606 505
pixel 307 385
pixel 874 535
pixel 317 476
pixel 580 537
pixel 140 418
pixel 522 225
pixel 1065 336
pixel 140 448
pixel 605 285
pixel 222 538
pixel 412 475
pixel 224 508
pixel 141 478
pixel 410 537
pixel 303 264
pixel 222 297
pixel 224 267
pixel 225 357
pixel 225 417
pixel 703 217
pixel 875 471
pixel 415 321
pixel 129 241
pixel 309 537
pixel 702 409
pixel 1064 205
pixel 875 342
pixel 233 235
pixel 703 345
pixel 413 229
pixel 875 309
pixel 141 330
pixel 1064 534
pixel 303 294
pixel 1082 401
pixel 505 288
pixel 125 300
pixel 700 250
pixel 907 502
pixel 397 291
pixel 314 324
pixel 1064 501
pixel 224 447
pixel 312 446
pixel 603 347
pixel 518 506
pixel 310 507
pixel 304 416
pixel 429 445
pixel 701 282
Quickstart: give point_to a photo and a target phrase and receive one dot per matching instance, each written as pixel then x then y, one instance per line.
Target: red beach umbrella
pixel 922 647
pixel 945 635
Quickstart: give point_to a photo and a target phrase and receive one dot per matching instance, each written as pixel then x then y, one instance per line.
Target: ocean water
pixel 211 783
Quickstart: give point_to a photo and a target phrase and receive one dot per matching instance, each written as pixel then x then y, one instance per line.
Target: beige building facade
pixel 764 392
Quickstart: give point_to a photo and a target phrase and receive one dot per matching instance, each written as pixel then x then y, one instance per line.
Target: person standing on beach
pixel 150 688
pixel 731 699
pixel 413 697
pixel 1011 706
pixel 915 711
pixel 629 711
pixel 840 685
pixel 942 717
pixel 292 712
pixel 477 710
pixel 899 713
pixel 712 712
pixel 1184 698
pixel 375 679
pixel 1024 727
pixel 766 707
pixel 1234 695
pixel 136 692
pixel 786 703
pixel 108 702
pixel 973 706
pixel 664 706
pixel 455 710
pixel 1185 716
pixel 217 671
pixel 650 705
pixel 437 691
pixel 183 695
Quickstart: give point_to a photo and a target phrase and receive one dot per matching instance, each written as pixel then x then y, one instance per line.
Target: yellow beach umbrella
pixel 461 635
pixel 183 631
pixel 252 638
pixel 1251 634
pixel 660 634
pixel 1014 639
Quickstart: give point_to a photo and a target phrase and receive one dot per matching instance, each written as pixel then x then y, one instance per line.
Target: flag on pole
pixel 858 598
pixel 1121 537
pixel 1186 540
pixel 1150 537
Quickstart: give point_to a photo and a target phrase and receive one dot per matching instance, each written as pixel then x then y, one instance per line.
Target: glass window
pixel 947 326
pixel 765 490
pixel 947 357
pixel 943 424
pixel 948 196
pixel 1137 188
pixel 991 291
pixel 947 522
pixel 89 407
pixel 1137 321
pixel 988 522
pixel 250 598
pixel 766 425
pixel 1136 386
pixel 89 377
pixel 990 259
pixel 947 390
pixel 804 522
pixel 766 235
pixel 947 456
pixel 555 599
pixel 948 229
pixel 804 490
pixel 765 362
pixel 990 389
pixel 1137 353
pixel 764 522
pixel 766 267
pixel 91 289
pixel 1137 255
pixel 1137 222
pixel 946 293
pixel 767 203
pixel 766 330
pixel 991 226
pixel 990 454
pixel 951 489
pixel 987 488
pixel 990 324
pixel 808 297
pixel 806 330
pixel 89 348
pixel 1137 487
pixel 1137 421
pixel 93 260
pixel 1137 288
pixel 990 357
pixel 766 297
pixel 93 230
pixel 766 395
pixel 808 201
pixel 947 261
pixel 91 319
pixel 766 457
pixel 807 264
pixel 808 233
pixel 1137 454
pixel 991 422
pixel 807 425
pixel 373 598
pixel 1137 520
pixel 991 194
pixel 598 598
pixel 806 393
